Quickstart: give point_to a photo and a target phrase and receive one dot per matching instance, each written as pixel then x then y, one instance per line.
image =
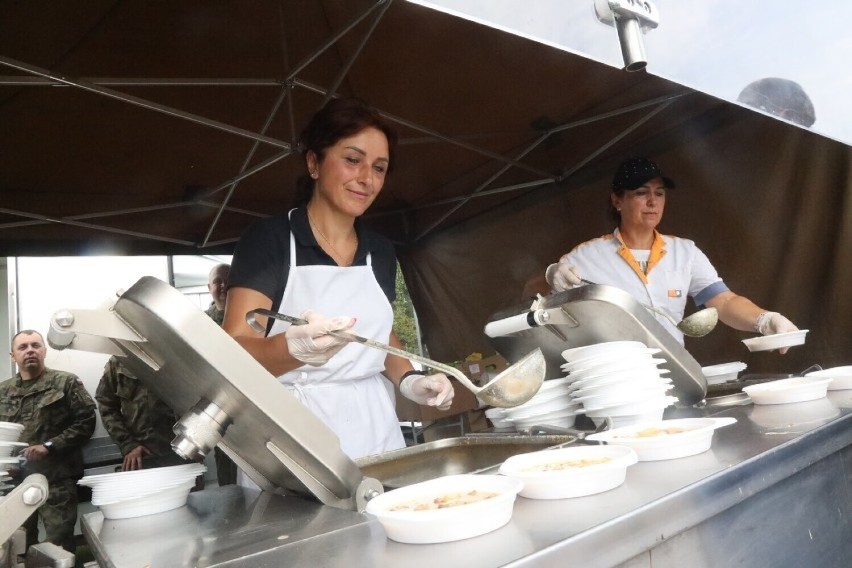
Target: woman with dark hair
pixel 657 269
pixel 319 259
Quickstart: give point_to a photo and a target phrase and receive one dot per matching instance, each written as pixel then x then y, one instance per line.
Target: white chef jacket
pixel 676 269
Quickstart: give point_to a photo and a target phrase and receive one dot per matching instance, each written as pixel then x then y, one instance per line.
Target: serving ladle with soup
pixel 515 385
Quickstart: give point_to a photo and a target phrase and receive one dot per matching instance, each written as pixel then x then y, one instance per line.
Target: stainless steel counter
pixel 775 486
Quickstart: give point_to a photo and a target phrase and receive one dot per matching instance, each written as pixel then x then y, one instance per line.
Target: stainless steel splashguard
pixel 224 396
pixel 586 315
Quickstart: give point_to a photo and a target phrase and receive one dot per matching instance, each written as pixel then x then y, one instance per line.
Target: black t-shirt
pixel 262 257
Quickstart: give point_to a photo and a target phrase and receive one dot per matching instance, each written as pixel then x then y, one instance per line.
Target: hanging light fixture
pixel 631 18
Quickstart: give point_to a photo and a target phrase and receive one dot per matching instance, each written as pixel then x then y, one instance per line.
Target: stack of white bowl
pixel 142 492
pixel 9 445
pixel 551 406
pixel 620 380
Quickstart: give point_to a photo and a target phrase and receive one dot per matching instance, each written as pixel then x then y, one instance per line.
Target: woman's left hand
pixel 429 390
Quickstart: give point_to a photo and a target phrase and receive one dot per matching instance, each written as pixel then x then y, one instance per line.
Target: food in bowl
pixel 445 524
pixel 653 431
pixel 596 469
pixel 445 500
pixel 558 466
pixel 661 440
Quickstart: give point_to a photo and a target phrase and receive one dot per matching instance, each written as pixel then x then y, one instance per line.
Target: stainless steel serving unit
pixel 788 465
pixel 224 396
pixel 586 315
pixel 772 491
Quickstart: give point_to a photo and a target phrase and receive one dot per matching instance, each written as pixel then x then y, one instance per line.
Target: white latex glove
pixel 562 276
pixel 429 390
pixel 771 323
pixel 311 344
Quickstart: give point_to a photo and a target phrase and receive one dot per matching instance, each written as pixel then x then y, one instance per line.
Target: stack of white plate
pixel 10 431
pixel 142 492
pixel 620 380
pixel 551 406
pixel 722 373
pixel 9 445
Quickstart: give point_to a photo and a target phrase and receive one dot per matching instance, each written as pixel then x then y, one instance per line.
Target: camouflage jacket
pixel 56 408
pixel 215 314
pixel 132 414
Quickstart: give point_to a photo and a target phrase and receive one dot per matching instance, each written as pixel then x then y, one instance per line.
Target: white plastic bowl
pixel 629 386
pixel 631 409
pixel 782 417
pixel 785 391
pixel 611 347
pixel 696 437
pixel 571 481
pixel 631 419
pixel 451 523
pixel 617 367
pixel 10 431
pixel 841 377
pixel 776 341
pixel 619 399
pixel 559 418
pixel 723 372
pixel 554 383
pixel 634 356
pixel 534 406
pixel 497 416
pixel 6 448
pixel 149 505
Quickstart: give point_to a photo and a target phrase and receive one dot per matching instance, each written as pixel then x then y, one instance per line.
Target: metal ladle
pixel 515 385
pixel 698 324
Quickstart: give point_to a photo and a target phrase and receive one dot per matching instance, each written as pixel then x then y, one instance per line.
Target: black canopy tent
pixel 166 128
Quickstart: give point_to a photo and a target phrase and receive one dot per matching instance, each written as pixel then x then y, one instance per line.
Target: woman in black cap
pixel 656 269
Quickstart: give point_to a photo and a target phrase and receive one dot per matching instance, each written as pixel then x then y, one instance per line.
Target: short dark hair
pixel 340 118
pixel 26 332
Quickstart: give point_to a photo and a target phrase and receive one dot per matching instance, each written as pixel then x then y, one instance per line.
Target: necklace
pixel 339 258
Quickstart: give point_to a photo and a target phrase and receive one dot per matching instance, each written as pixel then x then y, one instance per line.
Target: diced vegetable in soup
pixel 444 501
pixel 570 464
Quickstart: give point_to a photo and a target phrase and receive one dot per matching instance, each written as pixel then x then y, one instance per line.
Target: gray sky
pixel 715 46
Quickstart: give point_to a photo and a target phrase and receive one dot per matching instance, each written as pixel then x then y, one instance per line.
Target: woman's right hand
pixel 562 276
pixel 311 343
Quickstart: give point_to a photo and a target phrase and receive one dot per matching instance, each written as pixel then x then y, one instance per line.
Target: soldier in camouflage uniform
pixel 59 418
pixel 217 284
pixel 138 422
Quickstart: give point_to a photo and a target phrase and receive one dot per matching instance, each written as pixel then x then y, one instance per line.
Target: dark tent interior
pixel 133 127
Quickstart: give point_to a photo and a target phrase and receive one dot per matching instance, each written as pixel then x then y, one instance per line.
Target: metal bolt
pixel 32 496
pixel 64 318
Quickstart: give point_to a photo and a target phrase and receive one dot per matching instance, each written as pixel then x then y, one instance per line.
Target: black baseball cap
pixel 635 172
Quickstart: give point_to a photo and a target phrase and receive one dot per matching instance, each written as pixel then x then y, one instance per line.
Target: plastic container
pixel 151 504
pixel 776 341
pixel 786 391
pixel 606 347
pixel 841 377
pixel 450 523
pixel 723 372
pixel 579 475
pixel 665 439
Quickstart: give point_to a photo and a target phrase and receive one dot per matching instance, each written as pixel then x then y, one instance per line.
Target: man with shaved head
pixel 58 415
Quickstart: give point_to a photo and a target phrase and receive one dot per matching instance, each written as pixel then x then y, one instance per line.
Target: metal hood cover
pixel 190 362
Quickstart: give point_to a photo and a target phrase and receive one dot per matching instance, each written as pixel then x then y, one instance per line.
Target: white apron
pixel 349 393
